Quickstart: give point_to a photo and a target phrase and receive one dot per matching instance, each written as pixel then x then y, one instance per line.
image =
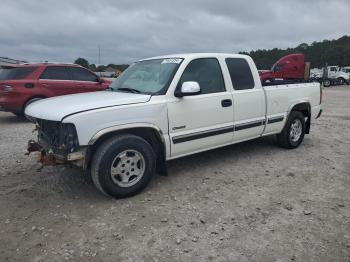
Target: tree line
pixel 331 52
pixel 100 68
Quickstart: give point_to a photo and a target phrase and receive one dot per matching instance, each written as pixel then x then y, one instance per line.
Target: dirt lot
pixel 249 202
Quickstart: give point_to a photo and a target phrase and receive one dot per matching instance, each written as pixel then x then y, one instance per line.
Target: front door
pixel 205 120
pixel 84 80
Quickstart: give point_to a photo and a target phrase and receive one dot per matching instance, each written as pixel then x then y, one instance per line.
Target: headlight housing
pixel 59 137
pixel 68 138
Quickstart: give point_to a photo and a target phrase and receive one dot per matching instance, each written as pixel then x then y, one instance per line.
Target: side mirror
pixel 101 80
pixel 189 88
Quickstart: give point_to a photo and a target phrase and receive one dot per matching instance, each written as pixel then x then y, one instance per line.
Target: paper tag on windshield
pixel 171 61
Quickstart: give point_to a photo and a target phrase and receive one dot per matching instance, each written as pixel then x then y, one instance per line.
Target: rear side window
pixel 207 72
pixel 55 73
pixel 81 74
pixel 16 73
pixel 241 75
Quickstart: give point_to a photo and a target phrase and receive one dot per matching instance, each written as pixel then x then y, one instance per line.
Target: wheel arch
pixel 151 133
pixel 305 108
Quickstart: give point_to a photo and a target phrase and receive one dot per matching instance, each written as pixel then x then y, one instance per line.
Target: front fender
pixel 124 127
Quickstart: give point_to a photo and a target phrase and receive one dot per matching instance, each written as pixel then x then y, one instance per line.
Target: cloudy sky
pixel 127 30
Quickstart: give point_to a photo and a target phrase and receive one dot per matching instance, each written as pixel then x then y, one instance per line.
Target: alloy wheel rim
pixel 295 130
pixel 127 168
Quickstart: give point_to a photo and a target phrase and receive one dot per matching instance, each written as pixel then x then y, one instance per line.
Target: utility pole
pixel 99 55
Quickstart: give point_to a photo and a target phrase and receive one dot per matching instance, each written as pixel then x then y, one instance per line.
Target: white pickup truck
pixel 166 107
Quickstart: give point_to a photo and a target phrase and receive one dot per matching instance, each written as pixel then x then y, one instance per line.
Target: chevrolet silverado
pixel 167 107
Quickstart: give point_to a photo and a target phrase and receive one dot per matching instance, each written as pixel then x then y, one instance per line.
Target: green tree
pixel 333 52
pixel 92 67
pixel 82 61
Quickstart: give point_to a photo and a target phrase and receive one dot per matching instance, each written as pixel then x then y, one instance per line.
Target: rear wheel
pixel 293 132
pixel 122 166
pixel 327 83
pixel 341 81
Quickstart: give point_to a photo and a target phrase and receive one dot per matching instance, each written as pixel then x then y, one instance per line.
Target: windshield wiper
pixel 128 89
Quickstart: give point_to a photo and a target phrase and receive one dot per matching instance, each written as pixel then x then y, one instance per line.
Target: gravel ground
pixel 249 202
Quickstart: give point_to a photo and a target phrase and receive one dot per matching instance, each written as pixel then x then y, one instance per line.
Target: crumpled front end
pixel 57 143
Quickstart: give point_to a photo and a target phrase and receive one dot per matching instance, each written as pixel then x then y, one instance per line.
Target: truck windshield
pixel 147 77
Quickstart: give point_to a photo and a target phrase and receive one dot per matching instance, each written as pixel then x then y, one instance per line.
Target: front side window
pixel 240 73
pixel 277 68
pixel 147 77
pixel 81 74
pixel 207 72
pixel 55 73
pixel 16 73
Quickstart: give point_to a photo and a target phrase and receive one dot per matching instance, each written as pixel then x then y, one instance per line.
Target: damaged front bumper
pixel 57 144
pixel 47 157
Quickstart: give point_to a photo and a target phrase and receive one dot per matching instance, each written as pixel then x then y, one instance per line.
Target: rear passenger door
pixel 248 100
pixel 84 80
pixel 56 81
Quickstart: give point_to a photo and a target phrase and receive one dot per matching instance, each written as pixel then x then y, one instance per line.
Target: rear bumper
pixel 11 102
pixel 10 109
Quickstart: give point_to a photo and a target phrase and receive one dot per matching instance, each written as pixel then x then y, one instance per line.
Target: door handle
pixel 226 102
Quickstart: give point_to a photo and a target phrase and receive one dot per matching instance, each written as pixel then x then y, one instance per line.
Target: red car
pixel 23 84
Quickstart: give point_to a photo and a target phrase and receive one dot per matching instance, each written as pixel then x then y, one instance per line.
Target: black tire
pixel 19 114
pixel 285 138
pixel 327 83
pixel 341 81
pixel 106 155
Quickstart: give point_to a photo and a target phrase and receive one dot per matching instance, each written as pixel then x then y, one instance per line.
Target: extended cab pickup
pixel 167 107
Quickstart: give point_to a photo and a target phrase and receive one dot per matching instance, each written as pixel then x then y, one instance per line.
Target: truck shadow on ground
pixel 231 153
pixel 72 182
pixel 196 167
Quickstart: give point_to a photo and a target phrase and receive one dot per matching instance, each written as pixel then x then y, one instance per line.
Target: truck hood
pixel 56 108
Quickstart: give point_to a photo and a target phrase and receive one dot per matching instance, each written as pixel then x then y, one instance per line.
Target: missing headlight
pixel 68 138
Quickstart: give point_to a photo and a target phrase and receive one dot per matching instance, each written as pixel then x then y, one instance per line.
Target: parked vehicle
pixel 346 69
pixel 331 75
pixel 293 68
pixel 164 108
pixel 290 67
pixel 22 84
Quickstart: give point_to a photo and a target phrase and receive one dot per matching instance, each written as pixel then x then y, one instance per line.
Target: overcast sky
pixel 129 30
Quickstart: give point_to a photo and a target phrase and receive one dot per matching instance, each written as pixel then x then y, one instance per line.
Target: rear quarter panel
pixel 282 98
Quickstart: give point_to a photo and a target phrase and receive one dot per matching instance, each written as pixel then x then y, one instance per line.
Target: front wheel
pixel 293 132
pixel 122 166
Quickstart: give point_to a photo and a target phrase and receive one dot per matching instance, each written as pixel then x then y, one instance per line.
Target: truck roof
pixel 196 55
